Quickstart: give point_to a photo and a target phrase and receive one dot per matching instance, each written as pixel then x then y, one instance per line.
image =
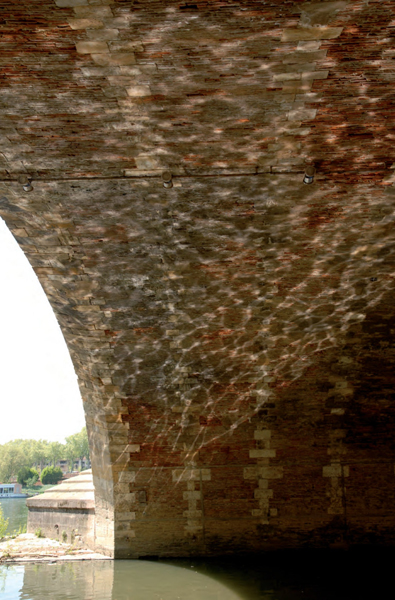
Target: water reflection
pixel 292 575
pixel 15 510
pixel 106 580
pixel 143 580
pixel 69 580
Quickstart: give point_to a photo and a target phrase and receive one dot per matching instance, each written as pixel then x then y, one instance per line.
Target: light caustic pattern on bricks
pixel 134 90
pixel 280 293
pixel 100 87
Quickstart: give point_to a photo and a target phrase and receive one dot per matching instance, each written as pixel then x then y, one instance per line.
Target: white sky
pixel 39 395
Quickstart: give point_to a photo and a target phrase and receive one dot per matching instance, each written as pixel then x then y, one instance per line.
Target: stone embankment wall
pixel 232 335
pixel 65 512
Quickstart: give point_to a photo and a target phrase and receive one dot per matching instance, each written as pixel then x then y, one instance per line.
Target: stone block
pixel 186 475
pixel 125 516
pixel 119 449
pixel 131 71
pixel 333 470
pixel 263 494
pixel 206 474
pixel 119 22
pixel 286 76
pixel 193 514
pixel 85 23
pixel 139 90
pixel 300 67
pixel 126 46
pixel 193 526
pixel 271 472
pixel 144 162
pixel 262 453
pixel 191 495
pixel 121 488
pixel 103 34
pixel 302 57
pixel 120 80
pixel 320 13
pixel 309 46
pixel 98 72
pixel 315 75
pixel 263 434
pixel 123 501
pixel 114 59
pixel 92 11
pixel 123 525
pixel 133 448
pixel 127 476
pixel 311 33
pixel 296 87
pixel 308 97
pixel 302 114
pixel 70 3
pixel 91 47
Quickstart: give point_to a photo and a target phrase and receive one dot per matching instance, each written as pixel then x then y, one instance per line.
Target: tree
pixel 25 474
pixel 56 451
pixel 77 447
pixel 12 459
pixel 51 475
pixel 40 452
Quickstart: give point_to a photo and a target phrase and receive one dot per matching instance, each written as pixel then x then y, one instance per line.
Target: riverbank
pixel 27 547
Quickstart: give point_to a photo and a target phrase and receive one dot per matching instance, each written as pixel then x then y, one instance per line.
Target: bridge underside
pixel 233 335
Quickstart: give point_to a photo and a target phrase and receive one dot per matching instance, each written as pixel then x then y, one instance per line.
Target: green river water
pixel 15 510
pixel 285 575
pixel 316 575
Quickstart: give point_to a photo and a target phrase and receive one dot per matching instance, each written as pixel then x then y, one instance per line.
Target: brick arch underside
pixel 232 335
pixel 234 347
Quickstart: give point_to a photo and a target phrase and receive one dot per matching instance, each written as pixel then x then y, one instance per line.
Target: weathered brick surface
pixel 233 335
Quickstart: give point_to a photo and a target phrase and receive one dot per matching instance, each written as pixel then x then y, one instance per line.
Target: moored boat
pixel 11 490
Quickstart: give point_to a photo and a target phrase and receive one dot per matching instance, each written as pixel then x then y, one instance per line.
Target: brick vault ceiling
pixel 114 88
pixel 237 329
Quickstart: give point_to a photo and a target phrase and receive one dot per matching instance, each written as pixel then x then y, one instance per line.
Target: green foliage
pixel 12 459
pixel 39 452
pixel 22 529
pixel 25 474
pixel 32 481
pixel 77 447
pixel 19 454
pixel 3 524
pixel 38 533
pixel 37 489
pixel 55 452
pixel 51 475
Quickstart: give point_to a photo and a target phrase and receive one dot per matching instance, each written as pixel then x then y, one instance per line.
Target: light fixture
pixel 167 179
pixel 309 174
pixel 25 181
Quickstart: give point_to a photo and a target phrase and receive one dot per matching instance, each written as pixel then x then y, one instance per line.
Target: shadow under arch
pixel 41 270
